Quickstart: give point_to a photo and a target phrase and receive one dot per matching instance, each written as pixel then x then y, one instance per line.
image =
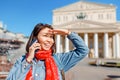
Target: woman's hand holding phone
pixel 33 48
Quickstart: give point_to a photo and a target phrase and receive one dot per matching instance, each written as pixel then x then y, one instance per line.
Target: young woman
pixel 40 62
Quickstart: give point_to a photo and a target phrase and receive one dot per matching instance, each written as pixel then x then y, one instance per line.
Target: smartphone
pixel 33 41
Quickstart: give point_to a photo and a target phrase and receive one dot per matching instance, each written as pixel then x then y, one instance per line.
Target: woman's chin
pixel 46 49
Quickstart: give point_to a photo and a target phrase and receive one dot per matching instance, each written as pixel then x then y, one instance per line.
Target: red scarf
pixel 51 67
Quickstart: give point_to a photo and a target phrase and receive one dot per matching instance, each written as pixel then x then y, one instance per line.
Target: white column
pixel 96 45
pixel 86 38
pixel 66 44
pixel 58 44
pixel 117 45
pixel 114 47
pixel 106 54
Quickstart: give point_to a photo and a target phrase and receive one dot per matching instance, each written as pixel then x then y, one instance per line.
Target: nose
pixel 49 39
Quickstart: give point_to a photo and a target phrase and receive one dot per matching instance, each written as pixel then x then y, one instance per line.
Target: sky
pixel 20 16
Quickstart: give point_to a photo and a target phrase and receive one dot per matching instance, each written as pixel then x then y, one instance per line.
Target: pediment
pixel 82 5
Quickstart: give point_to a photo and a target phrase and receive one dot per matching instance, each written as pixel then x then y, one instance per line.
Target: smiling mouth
pixel 47 45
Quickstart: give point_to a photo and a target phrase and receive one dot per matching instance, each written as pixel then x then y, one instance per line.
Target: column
pixel 66 44
pixel 58 43
pixel 86 38
pixel 96 45
pixel 114 47
pixel 106 54
pixel 117 45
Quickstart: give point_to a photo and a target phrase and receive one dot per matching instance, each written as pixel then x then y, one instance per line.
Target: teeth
pixel 47 44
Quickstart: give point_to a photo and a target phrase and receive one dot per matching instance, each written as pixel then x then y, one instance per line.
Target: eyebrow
pixel 47 33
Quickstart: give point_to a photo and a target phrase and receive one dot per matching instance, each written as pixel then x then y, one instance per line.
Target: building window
pixel 109 16
pixel 73 18
pixel 58 19
pixel 65 18
pixel 81 6
pixel 100 16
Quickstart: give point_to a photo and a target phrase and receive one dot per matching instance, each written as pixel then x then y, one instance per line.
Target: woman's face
pixel 45 38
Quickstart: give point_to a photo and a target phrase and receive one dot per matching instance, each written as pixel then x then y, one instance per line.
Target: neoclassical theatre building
pixel 95 23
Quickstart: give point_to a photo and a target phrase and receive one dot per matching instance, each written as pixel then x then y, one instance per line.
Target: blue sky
pixel 21 16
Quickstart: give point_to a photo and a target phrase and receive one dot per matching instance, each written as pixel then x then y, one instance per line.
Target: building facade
pixel 95 23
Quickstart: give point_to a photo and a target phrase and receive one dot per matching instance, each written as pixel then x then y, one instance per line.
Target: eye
pixel 48 35
pixel 45 35
pixel 51 36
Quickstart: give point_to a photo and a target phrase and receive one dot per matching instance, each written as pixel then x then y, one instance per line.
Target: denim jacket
pixel 67 60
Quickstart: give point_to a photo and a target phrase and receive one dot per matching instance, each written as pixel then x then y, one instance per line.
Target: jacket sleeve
pixel 69 59
pixel 19 69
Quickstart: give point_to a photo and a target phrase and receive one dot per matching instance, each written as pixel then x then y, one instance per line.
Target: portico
pixel 102 40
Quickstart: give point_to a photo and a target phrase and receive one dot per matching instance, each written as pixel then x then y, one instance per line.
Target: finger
pixel 61 31
pixel 50 30
pixel 57 31
pixel 34 46
pixel 38 47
